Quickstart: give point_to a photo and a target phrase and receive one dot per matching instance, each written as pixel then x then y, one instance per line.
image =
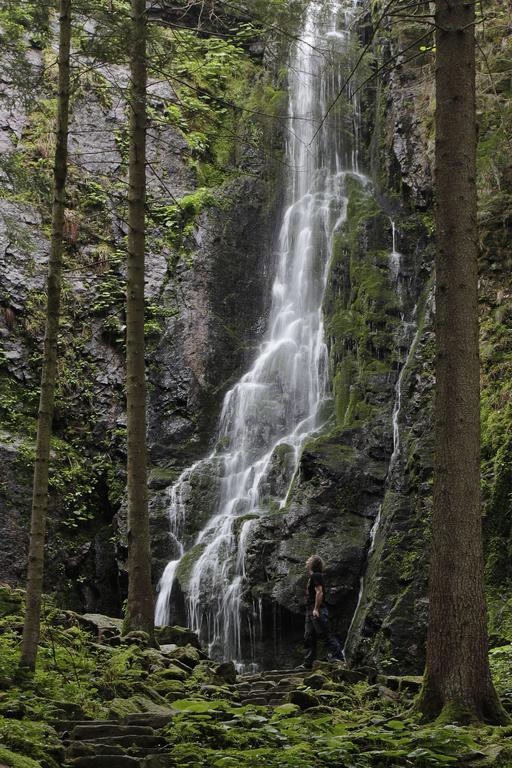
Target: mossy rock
pixel 205 672
pixel 170 690
pixel 102 626
pixel 171 673
pixel 187 655
pixel 227 671
pixel 321 709
pixel 136 637
pixel 13 760
pixel 316 681
pixel 411 683
pixel 122 708
pixel 11 602
pixel 303 699
pixel 177 636
pixel 154 660
pixel 187 562
pixel 161 477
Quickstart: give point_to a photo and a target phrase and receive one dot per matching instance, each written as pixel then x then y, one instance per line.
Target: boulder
pixel 227 671
pixel 172 673
pixel 179 636
pixel 105 627
pixel 316 680
pixel 303 699
pixel 137 637
pixel 187 655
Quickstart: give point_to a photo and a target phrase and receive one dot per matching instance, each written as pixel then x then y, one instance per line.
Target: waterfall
pixel 277 403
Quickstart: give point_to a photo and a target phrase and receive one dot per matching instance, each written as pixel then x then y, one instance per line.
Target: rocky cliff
pixel 361 496
pixel 213 191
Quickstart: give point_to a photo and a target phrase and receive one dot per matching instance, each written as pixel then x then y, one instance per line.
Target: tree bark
pixel 31 627
pixel 457 685
pixel 140 595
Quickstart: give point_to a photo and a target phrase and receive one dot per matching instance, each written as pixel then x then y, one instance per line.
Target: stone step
pixel 104 761
pixel 109 728
pixel 91 749
pixel 88 749
pixel 258 689
pixel 287 684
pixel 128 740
pixel 67 725
pixel 154 720
pixel 268 675
pixel 260 701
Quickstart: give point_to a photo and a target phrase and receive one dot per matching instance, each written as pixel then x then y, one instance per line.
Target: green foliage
pixel 179 218
pixel 13 760
pixel 215 733
pixel 354 728
pixel 77 482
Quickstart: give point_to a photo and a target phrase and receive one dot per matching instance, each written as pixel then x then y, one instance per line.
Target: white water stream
pixel 278 402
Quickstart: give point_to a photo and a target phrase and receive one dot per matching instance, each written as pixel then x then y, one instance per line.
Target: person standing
pixel 317 615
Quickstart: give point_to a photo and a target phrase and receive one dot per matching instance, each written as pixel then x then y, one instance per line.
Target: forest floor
pixel 99 701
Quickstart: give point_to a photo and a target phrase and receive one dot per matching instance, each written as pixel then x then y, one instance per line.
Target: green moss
pixel 499 611
pixel 361 306
pixel 187 563
pixel 13 760
pixel 330 447
pixel 162 476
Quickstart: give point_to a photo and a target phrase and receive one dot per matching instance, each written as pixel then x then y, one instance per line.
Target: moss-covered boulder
pixel 303 699
pixel 179 636
pixel 187 655
pixel 172 672
pixel 11 602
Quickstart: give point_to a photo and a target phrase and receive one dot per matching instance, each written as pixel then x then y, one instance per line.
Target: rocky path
pixel 139 741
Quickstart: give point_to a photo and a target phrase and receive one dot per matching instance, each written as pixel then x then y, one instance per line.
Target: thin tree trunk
pixel 49 371
pixel 140 594
pixel 457 684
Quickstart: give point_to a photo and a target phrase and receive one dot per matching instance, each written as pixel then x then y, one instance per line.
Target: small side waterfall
pixel 269 413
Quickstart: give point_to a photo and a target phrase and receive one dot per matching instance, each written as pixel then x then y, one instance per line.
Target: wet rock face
pixel 211 295
pixel 15 489
pixel 389 628
pixel 220 301
pixel 330 512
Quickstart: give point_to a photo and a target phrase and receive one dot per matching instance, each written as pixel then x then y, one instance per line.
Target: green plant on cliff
pixel 361 306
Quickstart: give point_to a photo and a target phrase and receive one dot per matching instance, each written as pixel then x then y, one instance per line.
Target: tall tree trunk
pixel 457 682
pixel 49 371
pixel 140 594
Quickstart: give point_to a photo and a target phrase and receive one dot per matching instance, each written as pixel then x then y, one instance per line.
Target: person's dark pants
pixel 319 628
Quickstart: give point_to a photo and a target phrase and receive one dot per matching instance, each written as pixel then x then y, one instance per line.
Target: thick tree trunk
pixel 140 595
pixel 457 684
pixel 49 369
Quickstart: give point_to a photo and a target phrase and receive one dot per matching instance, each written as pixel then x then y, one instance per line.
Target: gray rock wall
pixel 206 298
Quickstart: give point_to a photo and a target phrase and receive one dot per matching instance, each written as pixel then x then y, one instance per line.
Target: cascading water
pixel 278 402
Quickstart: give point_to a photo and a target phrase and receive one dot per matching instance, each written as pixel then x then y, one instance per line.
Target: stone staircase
pixel 268 688
pixel 138 740
pixel 135 742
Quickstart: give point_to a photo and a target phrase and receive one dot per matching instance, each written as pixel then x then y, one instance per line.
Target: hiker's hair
pixel 316 563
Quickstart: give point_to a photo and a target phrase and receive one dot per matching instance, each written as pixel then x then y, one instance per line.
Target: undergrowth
pixel 352 725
